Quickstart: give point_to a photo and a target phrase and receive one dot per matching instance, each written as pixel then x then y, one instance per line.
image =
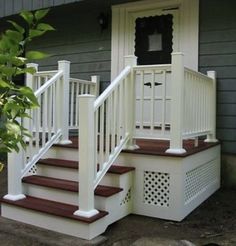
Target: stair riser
pixel 58 195
pixel 62 153
pixel 55 223
pixel 57 172
pixel 110 179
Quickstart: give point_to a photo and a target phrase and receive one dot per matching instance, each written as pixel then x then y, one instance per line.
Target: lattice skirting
pixel 170 188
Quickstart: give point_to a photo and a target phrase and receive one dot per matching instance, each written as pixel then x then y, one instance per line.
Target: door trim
pixel 123 32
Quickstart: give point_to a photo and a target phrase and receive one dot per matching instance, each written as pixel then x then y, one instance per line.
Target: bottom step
pixel 54 216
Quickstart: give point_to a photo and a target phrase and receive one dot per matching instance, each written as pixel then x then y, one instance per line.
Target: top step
pixel 74 165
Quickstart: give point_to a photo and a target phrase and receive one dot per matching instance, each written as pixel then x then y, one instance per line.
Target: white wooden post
pixel 87 151
pixel 96 80
pixel 63 111
pixel 29 77
pixel 14 166
pixel 177 104
pixel 131 61
pixel 212 137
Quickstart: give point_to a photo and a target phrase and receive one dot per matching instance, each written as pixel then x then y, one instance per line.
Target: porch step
pixel 115 169
pixel 53 208
pixel 101 190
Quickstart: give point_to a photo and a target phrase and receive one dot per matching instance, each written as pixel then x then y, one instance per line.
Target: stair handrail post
pixel 96 88
pixel 87 151
pixel 131 61
pixel 63 108
pixel 29 81
pixel 211 138
pixel 177 104
pixel 29 78
pixel 14 166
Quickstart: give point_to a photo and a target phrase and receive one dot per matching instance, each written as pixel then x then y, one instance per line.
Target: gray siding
pixel 218 52
pixel 79 39
pixel 11 7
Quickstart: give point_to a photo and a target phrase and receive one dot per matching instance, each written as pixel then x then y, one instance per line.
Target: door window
pixel 153 39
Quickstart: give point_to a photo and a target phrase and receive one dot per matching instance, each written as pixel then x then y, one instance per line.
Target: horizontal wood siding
pixel 11 7
pixel 217 51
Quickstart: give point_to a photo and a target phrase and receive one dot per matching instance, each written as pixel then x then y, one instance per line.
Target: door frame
pixel 185 34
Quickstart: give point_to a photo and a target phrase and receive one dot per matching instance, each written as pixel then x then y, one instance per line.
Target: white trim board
pixel 185 33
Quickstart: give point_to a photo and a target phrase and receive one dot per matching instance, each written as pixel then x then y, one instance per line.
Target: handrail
pixel 198 74
pixel 82 81
pixel 107 92
pixel 44 87
pixel 105 128
pixel 45 73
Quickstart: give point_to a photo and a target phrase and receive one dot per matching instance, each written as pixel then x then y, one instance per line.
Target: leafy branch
pixel 15 101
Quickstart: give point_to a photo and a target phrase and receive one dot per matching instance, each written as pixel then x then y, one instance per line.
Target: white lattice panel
pixel 198 179
pixel 156 188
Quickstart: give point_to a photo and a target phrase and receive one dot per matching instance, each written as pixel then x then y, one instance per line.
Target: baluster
pixel 49 123
pixel 141 99
pixel 163 120
pixel 101 136
pixel 108 113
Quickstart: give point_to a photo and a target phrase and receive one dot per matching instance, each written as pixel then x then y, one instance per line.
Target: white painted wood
pixel 86 156
pixel 55 223
pixel 130 103
pixel 152 101
pixel 212 137
pixel 80 87
pixel 177 104
pixel 64 101
pixel 14 166
pixel 185 28
pixel 181 171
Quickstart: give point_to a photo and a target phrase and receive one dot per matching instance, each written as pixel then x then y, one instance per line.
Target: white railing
pixel 198 91
pixel 80 87
pixel 153 101
pixel 106 127
pixel 49 124
pixel 45 125
pixel 193 105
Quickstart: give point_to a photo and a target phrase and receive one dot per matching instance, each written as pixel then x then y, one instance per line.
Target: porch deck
pixel 156 147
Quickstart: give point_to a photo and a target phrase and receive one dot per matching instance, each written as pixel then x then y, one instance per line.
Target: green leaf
pixel 7 71
pixel 4 84
pixel 35 33
pixel 26 91
pixel 13 128
pixel 39 14
pixel 36 55
pixel 17 27
pixel 30 70
pixel 27 16
pixel 45 27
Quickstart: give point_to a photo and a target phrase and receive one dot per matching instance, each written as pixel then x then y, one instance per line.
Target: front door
pixel 154 43
pixel 152 30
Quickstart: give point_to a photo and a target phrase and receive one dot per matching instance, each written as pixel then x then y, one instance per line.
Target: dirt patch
pixel 213 223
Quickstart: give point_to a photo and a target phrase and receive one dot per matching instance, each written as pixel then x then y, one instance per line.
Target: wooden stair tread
pixel 115 169
pixel 101 190
pixel 53 208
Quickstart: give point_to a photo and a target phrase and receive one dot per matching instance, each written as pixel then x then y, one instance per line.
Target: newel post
pixel 14 165
pixel 63 111
pixel 212 136
pixel 177 104
pixel 29 77
pixel 87 150
pixel 96 80
pixel 131 61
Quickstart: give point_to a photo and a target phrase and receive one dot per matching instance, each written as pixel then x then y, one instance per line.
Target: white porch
pixel 168 179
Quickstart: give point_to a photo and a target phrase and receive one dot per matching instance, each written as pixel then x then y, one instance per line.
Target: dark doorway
pixel 153 39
